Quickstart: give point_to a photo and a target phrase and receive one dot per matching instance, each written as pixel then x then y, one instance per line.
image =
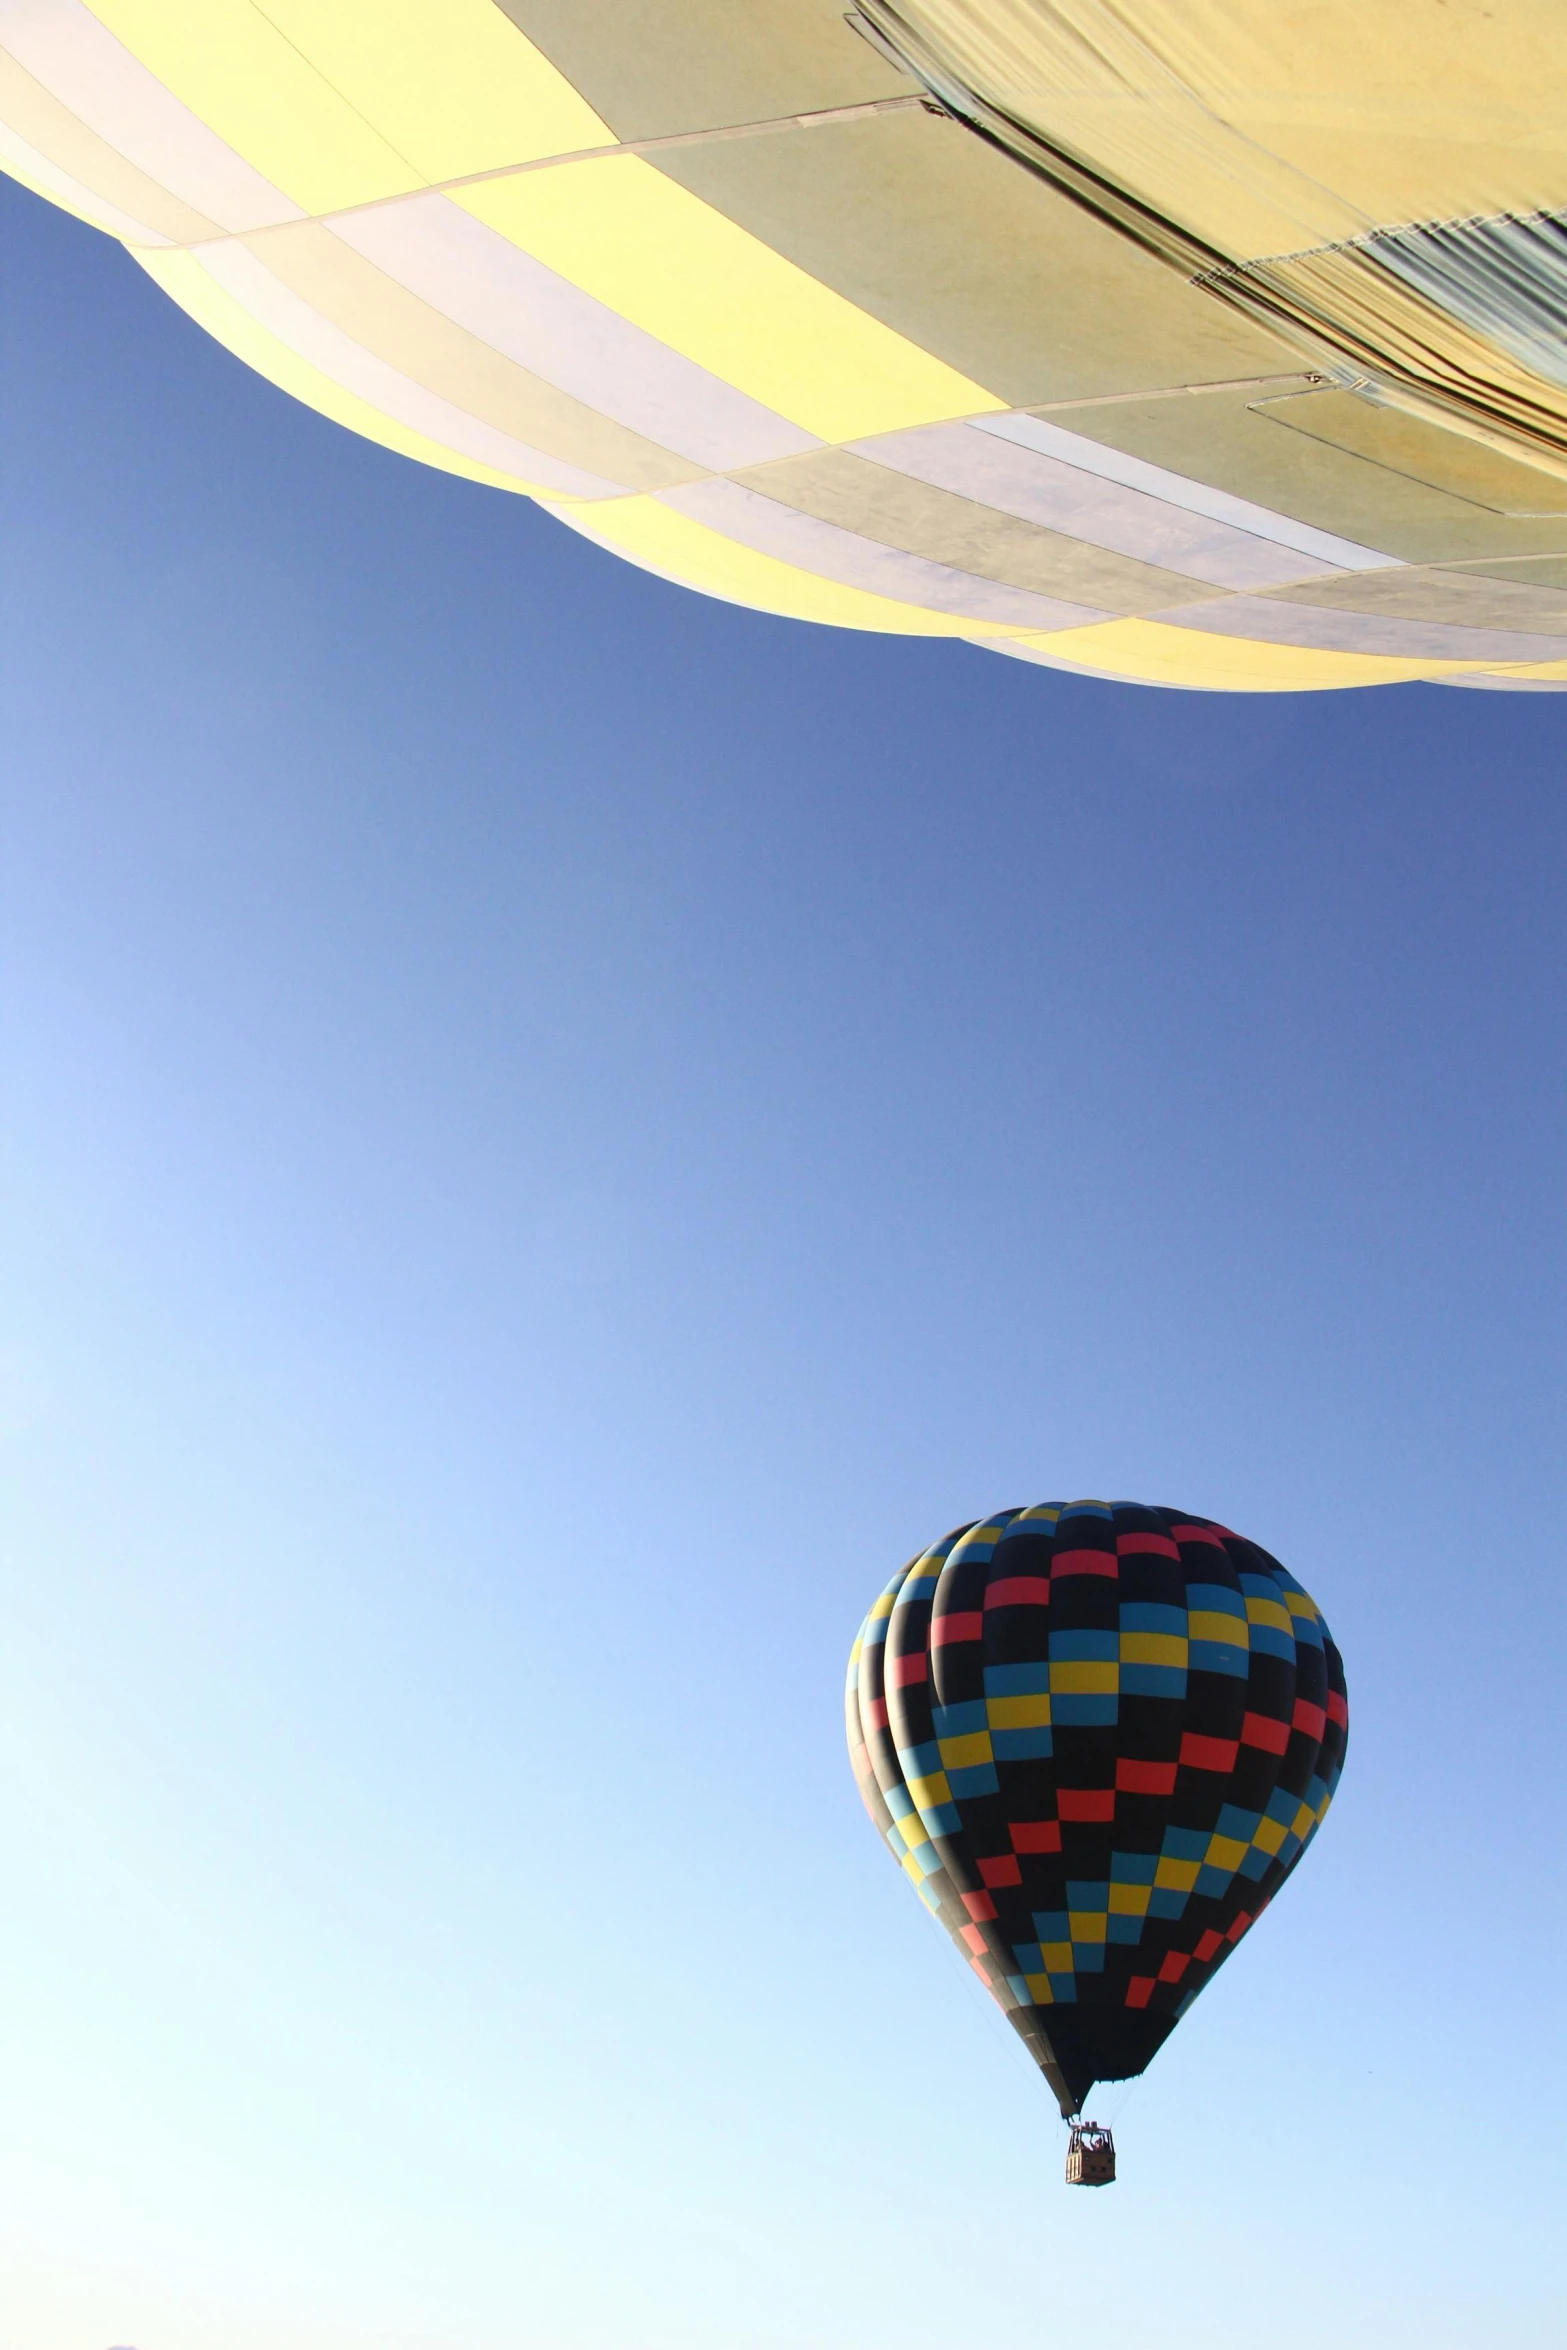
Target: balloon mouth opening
pixel 1076 2050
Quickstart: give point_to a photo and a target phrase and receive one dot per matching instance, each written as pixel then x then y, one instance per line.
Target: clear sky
pixel 555 1132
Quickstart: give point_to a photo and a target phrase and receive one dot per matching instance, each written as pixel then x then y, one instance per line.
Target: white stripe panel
pixel 79 61
pixel 1333 630
pixel 285 314
pixel 29 164
pixel 1176 489
pixel 834 553
pixel 1505 685
pixel 995 471
pixel 501 294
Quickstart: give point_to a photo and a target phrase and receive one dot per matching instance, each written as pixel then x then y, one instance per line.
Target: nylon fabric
pixel 870 372
pixel 1270 149
pixel 1097 1737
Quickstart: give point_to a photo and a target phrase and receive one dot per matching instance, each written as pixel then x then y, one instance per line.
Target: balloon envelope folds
pixel 1216 349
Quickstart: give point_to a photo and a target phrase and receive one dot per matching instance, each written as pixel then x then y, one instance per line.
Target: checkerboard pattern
pixel 1097 1737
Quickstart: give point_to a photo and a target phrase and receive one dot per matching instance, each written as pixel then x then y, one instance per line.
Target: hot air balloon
pixel 1219 346
pixel 1097 1738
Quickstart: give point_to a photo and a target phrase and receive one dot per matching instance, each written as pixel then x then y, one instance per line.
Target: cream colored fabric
pixel 409 215
pixel 1264 127
pixel 1267 146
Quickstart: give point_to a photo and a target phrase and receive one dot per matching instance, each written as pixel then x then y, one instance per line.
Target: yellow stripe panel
pixel 659 256
pixel 247 81
pixel 1155 655
pixel 1549 672
pixel 338 102
pixel 453 86
pixel 654 534
pixel 185 281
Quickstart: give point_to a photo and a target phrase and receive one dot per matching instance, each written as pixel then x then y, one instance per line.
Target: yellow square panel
pixel 1176 1876
pixel 961 1754
pixel 1018 1713
pixel 1204 1625
pixel 1269 1611
pixel 928 1792
pixel 1084 1680
pixel 1153 1648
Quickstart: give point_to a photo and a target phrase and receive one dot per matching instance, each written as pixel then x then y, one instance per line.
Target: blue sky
pixel 555 1132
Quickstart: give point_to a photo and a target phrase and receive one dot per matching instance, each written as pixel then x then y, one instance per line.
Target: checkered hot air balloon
pixel 1097 1737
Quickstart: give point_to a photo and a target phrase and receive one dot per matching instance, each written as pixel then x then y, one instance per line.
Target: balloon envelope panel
pixel 1097 1737
pixel 735 295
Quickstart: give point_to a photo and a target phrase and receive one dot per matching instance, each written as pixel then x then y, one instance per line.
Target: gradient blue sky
pixel 555 1131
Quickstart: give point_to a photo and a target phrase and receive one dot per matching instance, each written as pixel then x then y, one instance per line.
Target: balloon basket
pixel 1090 2156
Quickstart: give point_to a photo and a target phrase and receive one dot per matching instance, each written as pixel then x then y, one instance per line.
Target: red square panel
pixel 1175 1965
pixel 1018 1591
pixel 956 1627
pixel 979 1905
pixel 1261 1731
pixel 1207 1943
pixel 1144 1778
pixel 1208 1754
pixel 1084 1562
pixel 1035 1835
pixel 1086 1803
pixel 1139 1990
pixel 1002 1869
